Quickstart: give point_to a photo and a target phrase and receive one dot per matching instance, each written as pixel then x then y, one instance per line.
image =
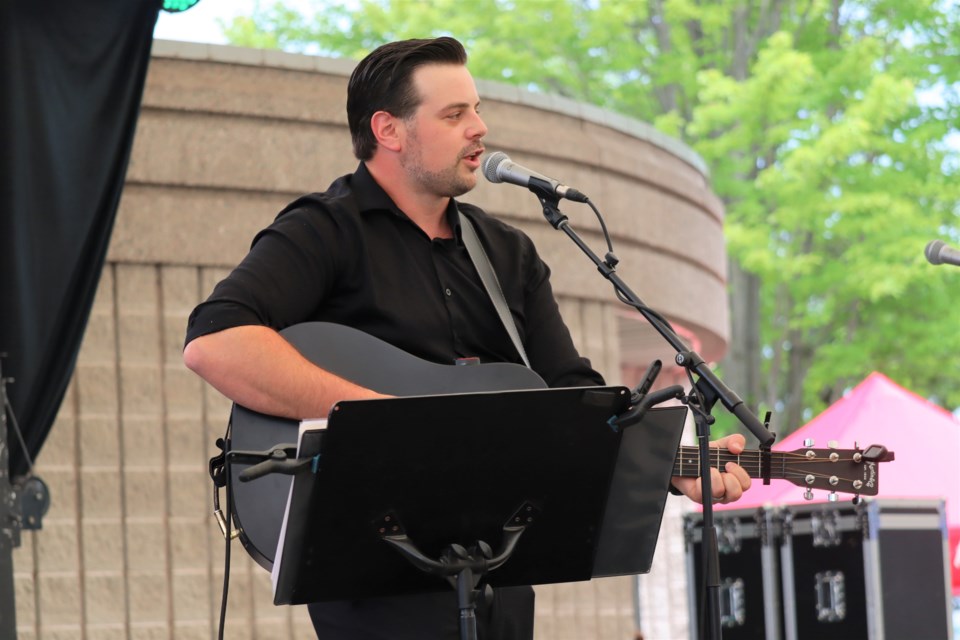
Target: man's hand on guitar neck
pixel 727 486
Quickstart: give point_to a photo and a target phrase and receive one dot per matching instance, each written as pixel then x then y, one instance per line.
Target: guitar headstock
pixel 836 470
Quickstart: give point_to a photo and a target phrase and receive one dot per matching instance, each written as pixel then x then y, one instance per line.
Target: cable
pixel 603 225
pixel 612 261
pixel 220 475
pixel 226 551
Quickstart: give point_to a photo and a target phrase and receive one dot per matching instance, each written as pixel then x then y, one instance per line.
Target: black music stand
pixel 466 482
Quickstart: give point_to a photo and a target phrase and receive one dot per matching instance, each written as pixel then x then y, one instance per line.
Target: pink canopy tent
pixel 924 437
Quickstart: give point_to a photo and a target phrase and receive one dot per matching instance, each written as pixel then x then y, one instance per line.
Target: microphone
pixel 498 167
pixel 939 252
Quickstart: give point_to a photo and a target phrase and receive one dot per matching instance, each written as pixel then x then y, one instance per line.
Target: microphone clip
pixel 551 207
pixel 555 189
pixel 642 399
pixel 635 413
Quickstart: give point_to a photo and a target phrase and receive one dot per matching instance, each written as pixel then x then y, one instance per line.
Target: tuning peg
pixel 833 444
pixel 833 497
pixel 878 453
pixel 808 494
pixel 809 442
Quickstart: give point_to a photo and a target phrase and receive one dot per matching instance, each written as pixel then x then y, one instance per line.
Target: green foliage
pixel 176 6
pixel 825 124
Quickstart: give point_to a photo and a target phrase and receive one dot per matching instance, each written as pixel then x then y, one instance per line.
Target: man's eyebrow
pixel 459 105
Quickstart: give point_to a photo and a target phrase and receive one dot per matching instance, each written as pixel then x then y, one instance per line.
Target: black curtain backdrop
pixel 71 82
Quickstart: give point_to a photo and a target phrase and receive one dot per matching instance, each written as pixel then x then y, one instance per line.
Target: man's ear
pixel 388 130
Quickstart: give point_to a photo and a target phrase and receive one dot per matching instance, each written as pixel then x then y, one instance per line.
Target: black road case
pixel 873 571
pixel 750 603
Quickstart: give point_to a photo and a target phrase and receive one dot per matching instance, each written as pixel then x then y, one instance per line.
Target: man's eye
pixel 455 116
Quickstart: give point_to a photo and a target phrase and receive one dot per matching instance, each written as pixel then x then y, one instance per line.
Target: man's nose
pixel 478 129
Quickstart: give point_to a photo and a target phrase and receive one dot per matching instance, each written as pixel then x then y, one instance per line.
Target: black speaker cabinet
pixel 873 571
pixel 747 541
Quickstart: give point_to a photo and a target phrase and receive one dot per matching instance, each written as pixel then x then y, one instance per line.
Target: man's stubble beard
pixel 448 182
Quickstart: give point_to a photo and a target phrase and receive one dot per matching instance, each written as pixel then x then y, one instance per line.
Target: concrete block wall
pixel 226 138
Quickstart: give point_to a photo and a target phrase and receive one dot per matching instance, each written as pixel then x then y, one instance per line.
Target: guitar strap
pixel 489 278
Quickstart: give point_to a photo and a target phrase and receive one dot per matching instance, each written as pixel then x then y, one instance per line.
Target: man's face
pixel 443 137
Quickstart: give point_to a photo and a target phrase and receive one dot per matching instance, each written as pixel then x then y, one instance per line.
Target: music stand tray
pixel 453 469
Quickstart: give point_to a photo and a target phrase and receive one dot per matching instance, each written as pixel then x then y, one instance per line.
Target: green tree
pixel 825 125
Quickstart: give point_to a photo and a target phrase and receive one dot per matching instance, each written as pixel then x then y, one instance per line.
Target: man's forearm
pixel 256 368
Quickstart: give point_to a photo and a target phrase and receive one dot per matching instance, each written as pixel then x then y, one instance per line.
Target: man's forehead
pixel 440 85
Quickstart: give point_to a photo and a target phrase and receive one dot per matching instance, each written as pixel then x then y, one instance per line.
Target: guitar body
pixel 258 506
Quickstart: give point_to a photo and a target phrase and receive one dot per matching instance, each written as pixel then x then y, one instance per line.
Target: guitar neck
pixel 837 470
pixel 687 463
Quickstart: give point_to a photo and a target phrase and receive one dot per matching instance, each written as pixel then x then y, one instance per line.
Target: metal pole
pixel 9 525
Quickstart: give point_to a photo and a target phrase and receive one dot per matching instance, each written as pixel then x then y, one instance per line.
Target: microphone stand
pixel 708 390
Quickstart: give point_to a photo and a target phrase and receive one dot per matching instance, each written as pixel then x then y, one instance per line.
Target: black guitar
pixel 258 506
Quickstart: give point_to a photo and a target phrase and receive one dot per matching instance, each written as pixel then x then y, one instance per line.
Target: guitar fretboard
pixel 687 463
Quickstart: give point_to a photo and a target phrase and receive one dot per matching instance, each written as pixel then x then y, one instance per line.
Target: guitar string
pixel 800 460
pixel 782 462
pixel 793 460
pixel 801 474
pixel 690 456
pixel 786 471
pixel 752 456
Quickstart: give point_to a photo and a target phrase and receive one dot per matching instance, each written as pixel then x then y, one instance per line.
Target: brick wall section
pixel 226 137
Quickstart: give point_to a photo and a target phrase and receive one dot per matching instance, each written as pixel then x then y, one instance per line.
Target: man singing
pixel 381 251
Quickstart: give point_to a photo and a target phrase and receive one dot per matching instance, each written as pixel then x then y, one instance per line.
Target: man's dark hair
pixel 383 81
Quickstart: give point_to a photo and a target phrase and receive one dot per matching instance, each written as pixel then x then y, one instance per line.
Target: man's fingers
pixel 717 485
pixel 732 486
pixel 735 443
pixel 743 478
pixel 728 486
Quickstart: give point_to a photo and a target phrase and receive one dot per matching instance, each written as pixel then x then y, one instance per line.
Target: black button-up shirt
pixel 350 256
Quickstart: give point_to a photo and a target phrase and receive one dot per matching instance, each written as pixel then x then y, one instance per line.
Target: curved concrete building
pixel 227 137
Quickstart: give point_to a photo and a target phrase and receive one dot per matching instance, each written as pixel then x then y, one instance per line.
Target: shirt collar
pixel 370 196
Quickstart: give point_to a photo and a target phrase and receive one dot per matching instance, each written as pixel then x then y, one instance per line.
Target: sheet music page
pixel 305 425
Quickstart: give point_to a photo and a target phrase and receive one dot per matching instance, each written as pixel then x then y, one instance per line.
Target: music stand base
pixel 463 569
